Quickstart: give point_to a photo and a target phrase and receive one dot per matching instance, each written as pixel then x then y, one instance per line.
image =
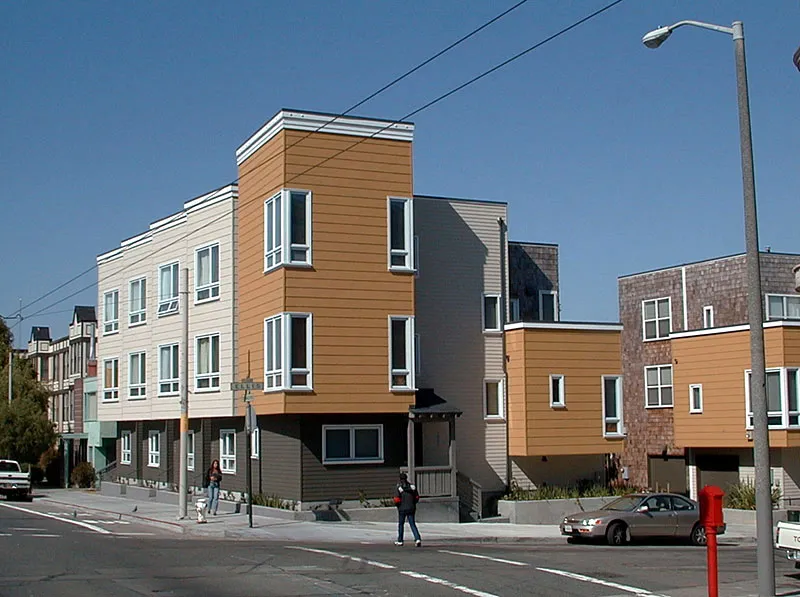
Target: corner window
pixel 168 289
pixel 658 386
pixel 206 277
pixel 111 312
pixel 548 305
pixel 696 398
pixel 255 443
pixel 288 352
pixel 110 380
pixel 154 448
pixel 190 450
pixel 137 309
pixel 781 383
pixel 207 363
pixel 708 317
pixel 783 306
pixel 168 359
pixel 137 375
pixel 287 229
pixel 352 444
pixel 557 399
pixel 491 313
pixel 493 399
pixel 401 353
pixel 401 234
pixel 612 406
pixel 125 448
pixel 656 319
pixel 227 451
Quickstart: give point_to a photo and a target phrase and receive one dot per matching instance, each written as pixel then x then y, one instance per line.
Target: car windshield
pixel 9 467
pixel 624 504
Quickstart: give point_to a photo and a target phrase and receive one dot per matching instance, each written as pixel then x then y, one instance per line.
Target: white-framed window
pixel 206 273
pixel 206 366
pixel 557 391
pixel 696 398
pixel 168 289
pixel 255 443
pixel 168 372
pixel 782 388
pixel 514 314
pixel 125 448
pixel 287 229
pixel 137 303
pixel 656 318
pixel 401 353
pixel 343 444
pixel 110 312
pixel 417 355
pixel 110 380
pixel 658 386
pixel 548 305
pixel 227 451
pixel 493 403
pixel 190 450
pixel 491 313
pixel 401 234
pixel 137 375
pixel 793 398
pixel 708 316
pixel 154 448
pixel 288 352
pixel 612 406
pixel 783 306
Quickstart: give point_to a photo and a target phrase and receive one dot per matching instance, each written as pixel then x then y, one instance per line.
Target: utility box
pixel 711 507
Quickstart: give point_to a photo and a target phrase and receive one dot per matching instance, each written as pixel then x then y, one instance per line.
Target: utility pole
pixel 183 473
pixel 19 319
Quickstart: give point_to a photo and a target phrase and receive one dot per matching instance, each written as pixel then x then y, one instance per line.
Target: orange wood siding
pixel 718 362
pixel 582 357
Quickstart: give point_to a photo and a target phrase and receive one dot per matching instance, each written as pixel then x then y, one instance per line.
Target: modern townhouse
pixel 140 347
pixel 686 363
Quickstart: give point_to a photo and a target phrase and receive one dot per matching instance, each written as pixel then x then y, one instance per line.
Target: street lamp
pixel 796 58
pixel 766 565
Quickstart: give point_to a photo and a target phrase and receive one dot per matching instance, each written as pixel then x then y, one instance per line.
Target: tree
pixel 26 432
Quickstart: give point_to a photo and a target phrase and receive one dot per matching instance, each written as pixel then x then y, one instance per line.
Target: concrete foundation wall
pixel 547 511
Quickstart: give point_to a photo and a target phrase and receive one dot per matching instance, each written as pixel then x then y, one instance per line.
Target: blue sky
pixel 113 114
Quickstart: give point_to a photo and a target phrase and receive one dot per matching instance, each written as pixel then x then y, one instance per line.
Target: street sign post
pixel 247 385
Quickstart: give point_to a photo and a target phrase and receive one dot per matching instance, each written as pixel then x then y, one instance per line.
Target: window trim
pixel 154 456
pixel 692 409
pixel 501 410
pixel 283 224
pixel 142 385
pixel 407 252
pixel 123 459
pixel 554 294
pixel 141 312
pixel 190 449
pixel 170 310
pixel 659 386
pixel 212 285
pixel 562 391
pixel 497 298
pixel 255 444
pixel 113 389
pixel 657 318
pixel 285 371
pixel 785 413
pixel 619 420
pixel 211 375
pixel 226 458
pixel 784 300
pixel 410 370
pixel 113 322
pixel 174 382
pixel 708 317
pixel 352 460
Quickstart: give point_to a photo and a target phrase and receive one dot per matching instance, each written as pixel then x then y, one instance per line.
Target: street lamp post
pixel 766 565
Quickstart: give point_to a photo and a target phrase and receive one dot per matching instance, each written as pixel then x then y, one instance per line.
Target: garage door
pixel 721 470
pixel 668 473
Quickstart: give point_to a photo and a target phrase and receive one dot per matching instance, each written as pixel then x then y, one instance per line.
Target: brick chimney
pixel 91 368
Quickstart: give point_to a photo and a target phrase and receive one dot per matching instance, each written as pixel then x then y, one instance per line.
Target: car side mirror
pixel 643 509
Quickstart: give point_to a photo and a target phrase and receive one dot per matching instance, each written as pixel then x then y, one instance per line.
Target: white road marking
pixel 124 534
pixel 44 535
pixel 26 529
pixel 79 523
pixel 599 581
pixel 5 534
pixel 446 583
pixel 480 557
pixel 344 557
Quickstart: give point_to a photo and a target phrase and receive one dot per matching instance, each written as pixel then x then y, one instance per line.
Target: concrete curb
pixel 171 526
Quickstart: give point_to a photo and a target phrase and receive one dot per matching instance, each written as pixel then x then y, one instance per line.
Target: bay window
pixel 401 234
pixel 288 352
pixel 287 229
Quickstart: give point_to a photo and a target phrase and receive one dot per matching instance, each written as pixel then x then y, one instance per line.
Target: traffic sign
pixel 246 385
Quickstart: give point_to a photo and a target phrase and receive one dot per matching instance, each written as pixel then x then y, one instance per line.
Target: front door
pixel 659 520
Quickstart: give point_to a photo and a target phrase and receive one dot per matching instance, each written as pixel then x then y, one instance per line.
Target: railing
pixel 105 473
pixel 470 496
pixel 432 481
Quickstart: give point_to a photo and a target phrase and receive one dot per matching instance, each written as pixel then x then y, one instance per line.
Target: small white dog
pixel 201 505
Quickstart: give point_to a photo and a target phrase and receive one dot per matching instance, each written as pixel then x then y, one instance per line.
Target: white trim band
pixel 563 325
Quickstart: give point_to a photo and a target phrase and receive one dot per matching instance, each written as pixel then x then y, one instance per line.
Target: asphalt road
pixel 66 553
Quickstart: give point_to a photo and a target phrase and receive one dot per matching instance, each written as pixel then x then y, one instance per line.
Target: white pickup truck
pixel 787 536
pixel 13 482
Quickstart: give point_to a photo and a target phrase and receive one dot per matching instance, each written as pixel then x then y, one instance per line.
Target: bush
pixel 742 496
pixel 83 475
pixel 273 501
pixel 583 489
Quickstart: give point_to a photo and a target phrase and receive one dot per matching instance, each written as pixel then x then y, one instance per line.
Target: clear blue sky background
pixel 112 114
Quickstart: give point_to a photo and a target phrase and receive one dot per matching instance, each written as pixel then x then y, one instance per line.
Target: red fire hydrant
pixel 711 519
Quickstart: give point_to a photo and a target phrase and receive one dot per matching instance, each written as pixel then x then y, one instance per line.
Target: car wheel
pixel 698 536
pixel 617 534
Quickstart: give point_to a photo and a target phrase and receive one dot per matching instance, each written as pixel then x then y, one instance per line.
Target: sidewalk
pixel 235 525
